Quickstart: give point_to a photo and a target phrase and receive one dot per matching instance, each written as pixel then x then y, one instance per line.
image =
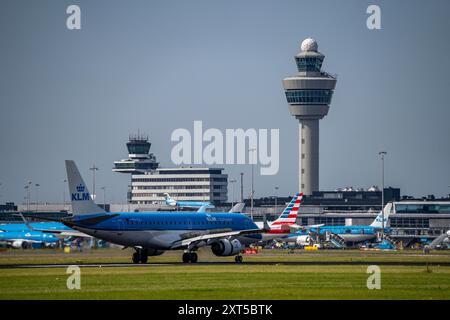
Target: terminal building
pixel 149 182
pixel 183 184
pixel 411 220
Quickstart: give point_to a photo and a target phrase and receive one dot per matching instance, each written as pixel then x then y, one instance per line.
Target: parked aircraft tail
pixel 289 214
pixel 378 222
pixel 82 202
pixel 169 200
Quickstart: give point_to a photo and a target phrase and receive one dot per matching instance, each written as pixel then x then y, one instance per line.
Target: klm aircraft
pixel 25 239
pixel 24 226
pixel 187 204
pixel 152 233
pixel 340 235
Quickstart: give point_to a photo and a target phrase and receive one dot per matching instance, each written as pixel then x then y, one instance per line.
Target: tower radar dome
pixel 309 44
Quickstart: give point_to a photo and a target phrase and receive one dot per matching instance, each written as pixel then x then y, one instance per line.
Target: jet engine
pixel 225 247
pixel 303 240
pixel 20 244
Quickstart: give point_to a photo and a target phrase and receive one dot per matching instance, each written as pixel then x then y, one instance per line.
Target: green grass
pixel 46 256
pixel 225 281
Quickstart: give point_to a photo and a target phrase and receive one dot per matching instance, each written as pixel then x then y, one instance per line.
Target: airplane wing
pixel 189 242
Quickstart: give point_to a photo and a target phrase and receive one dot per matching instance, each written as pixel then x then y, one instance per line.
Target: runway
pixel 180 264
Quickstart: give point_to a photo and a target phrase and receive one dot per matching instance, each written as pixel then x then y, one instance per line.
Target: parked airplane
pixel 152 233
pixel 187 204
pixel 8 227
pixel 25 239
pixel 339 235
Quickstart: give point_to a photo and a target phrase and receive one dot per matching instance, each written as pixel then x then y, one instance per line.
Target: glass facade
pixel 148 179
pixel 422 208
pixel 136 165
pixel 138 147
pixel 330 221
pixel 410 223
pixel 313 96
pixel 176 195
pixel 309 63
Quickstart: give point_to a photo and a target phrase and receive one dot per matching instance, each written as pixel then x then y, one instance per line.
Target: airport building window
pixel 422 208
pixel 330 221
pixel 309 63
pixel 410 222
pixel 313 96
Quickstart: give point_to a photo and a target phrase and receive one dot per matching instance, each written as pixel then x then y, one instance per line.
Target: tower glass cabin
pixel 139 159
pixel 309 95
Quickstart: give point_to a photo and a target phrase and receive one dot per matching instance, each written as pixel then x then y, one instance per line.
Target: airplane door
pixel 190 224
pixel 120 225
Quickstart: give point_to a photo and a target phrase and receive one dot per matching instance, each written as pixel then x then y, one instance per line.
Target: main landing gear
pixel 140 256
pixel 190 257
pixel 238 259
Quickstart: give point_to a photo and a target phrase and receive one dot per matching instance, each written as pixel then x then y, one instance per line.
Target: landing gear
pixel 140 256
pixel 144 256
pixel 238 259
pixel 190 257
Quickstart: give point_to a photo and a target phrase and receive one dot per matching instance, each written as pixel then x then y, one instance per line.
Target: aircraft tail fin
pixel 169 200
pixel 237 208
pixel 289 214
pixel 378 222
pixel 82 202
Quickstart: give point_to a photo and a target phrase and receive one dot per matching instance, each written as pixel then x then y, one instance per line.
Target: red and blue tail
pixel 289 214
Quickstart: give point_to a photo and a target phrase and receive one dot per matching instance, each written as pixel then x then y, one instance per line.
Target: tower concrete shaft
pixel 309 95
pixel 309 155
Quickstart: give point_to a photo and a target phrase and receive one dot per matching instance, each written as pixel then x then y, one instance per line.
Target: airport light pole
pixel 37 185
pixel 382 154
pixel 276 199
pixel 27 188
pixel 93 169
pixel 242 187
pixel 64 192
pixel 253 189
pixel 232 181
pixel 104 197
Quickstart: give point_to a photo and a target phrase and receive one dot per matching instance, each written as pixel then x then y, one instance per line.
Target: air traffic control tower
pixel 309 96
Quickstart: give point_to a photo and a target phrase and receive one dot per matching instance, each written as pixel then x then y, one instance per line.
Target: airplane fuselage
pixel 348 233
pixel 160 231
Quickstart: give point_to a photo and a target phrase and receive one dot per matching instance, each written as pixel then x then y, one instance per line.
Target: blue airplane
pixel 152 233
pixel 187 204
pixel 26 239
pixel 26 226
pixel 340 235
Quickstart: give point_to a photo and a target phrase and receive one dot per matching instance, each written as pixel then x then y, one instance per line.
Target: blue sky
pixel 159 65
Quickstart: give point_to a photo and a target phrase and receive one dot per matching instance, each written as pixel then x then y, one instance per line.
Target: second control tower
pixel 309 96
